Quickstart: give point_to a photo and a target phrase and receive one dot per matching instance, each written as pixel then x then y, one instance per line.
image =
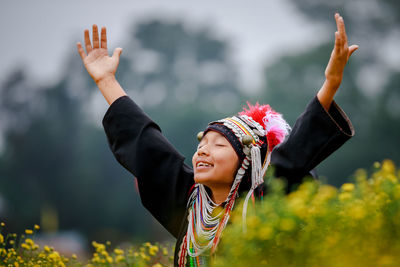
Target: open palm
pixel 96 59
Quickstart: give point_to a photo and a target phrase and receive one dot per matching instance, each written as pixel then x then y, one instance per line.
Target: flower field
pixel 316 225
pixel 320 225
pixel 23 251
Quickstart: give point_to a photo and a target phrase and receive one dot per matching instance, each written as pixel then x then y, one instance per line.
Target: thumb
pixel 117 52
pixel 352 49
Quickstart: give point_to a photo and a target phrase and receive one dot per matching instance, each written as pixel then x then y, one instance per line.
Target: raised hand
pixel 338 60
pixel 100 65
pixel 340 54
pixel 97 61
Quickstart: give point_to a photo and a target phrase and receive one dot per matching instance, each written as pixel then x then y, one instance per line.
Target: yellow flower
pixel 28 231
pixel 37 227
pixel 109 259
pixel 165 252
pixel 74 256
pixel 348 187
pixel 118 251
pixel 99 247
pixel 157 265
pixel 144 256
pixel 388 166
pixel 54 256
pixel 2 224
pixel 119 258
pixel 153 250
pixel 1 238
pixel 377 164
pixel 29 242
pixel 104 253
pixel 344 196
pixel 25 246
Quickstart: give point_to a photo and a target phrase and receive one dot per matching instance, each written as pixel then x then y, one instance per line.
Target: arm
pixel 316 134
pixel 138 145
pixel 136 141
pixel 323 127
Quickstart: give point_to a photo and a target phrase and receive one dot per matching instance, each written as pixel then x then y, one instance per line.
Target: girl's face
pixel 215 162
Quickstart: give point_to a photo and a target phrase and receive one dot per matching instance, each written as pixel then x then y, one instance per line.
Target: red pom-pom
pixel 275 126
pixel 257 112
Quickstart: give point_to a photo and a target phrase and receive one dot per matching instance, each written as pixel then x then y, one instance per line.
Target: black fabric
pixel 165 180
pixel 137 143
pixel 315 135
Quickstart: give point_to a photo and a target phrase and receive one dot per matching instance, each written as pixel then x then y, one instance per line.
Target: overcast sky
pixel 40 34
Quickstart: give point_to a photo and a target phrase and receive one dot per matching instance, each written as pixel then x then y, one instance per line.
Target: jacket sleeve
pixel 137 143
pixel 315 135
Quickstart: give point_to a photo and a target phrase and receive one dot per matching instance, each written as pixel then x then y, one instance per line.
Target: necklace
pixel 206 221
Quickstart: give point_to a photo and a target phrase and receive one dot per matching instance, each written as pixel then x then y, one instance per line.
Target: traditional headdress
pixel 253 134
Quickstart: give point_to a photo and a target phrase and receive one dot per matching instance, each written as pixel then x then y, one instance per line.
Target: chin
pixel 199 180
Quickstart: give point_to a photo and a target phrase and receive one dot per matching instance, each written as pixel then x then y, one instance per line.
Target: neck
pixel 219 195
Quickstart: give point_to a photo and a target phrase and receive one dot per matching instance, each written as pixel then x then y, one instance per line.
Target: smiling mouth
pixel 203 165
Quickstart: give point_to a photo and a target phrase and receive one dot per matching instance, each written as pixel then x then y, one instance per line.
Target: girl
pixel 233 154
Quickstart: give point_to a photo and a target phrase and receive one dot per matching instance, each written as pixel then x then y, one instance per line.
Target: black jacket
pixel 165 180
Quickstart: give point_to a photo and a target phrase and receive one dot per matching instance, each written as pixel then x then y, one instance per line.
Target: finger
pixel 88 45
pixel 342 29
pixel 340 26
pixel 103 38
pixel 338 41
pixel 117 52
pixel 95 37
pixel 81 51
pixel 352 49
pixel 337 16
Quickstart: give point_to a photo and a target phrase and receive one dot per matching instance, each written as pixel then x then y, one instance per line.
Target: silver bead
pixel 247 140
pixel 200 136
pixel 257 132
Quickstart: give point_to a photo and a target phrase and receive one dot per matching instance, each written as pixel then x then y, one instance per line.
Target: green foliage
pixel 320 225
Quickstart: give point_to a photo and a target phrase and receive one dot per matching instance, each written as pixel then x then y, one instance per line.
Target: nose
pixel 203 150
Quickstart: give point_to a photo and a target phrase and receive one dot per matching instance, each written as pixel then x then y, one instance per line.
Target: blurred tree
pixel 55 159
pixel 180 77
